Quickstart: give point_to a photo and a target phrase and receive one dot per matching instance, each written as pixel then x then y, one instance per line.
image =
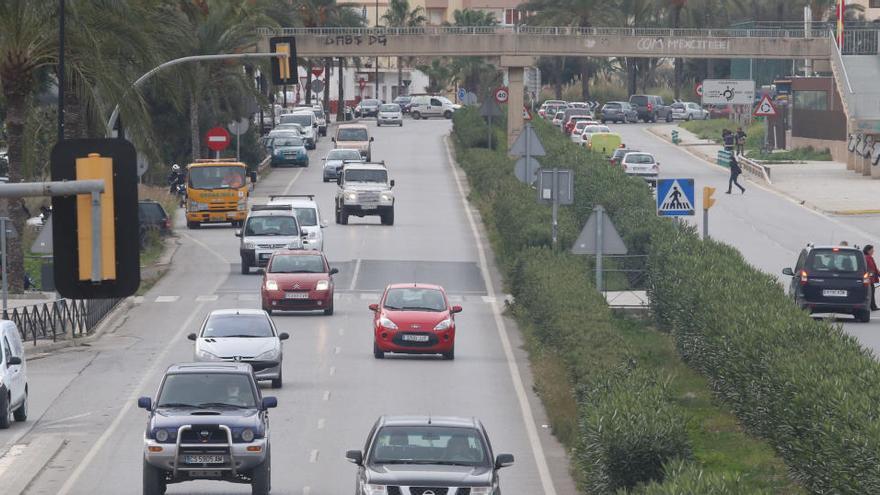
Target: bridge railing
pixel 549 31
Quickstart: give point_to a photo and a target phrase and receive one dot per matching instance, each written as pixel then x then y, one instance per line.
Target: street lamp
pixel 377 58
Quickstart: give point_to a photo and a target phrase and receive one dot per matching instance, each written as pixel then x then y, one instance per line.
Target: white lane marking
pixel 207 298
pixel 513 367
pixel 158 363
pixel 337 350
pixel 292 181
pixel 326 395
pixel 354 275
pixel 332 370
pixel 341 332
pixel 248 297
pixel 489 299
pixel 64 420
pixel 167 299
pixel 370 296
pixel 313 456
pixel 11 455
pixel 321 423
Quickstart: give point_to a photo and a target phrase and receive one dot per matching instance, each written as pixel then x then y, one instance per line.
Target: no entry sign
pixel 218 139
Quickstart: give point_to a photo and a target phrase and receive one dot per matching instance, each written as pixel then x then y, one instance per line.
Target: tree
pixel 400 15
pixel 675 8
pixel 439 75
pixel 468 70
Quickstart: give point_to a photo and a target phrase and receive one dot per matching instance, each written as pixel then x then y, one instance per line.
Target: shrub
pixel 686 478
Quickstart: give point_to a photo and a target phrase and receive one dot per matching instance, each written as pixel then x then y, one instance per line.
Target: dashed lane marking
pixel 321 423
pixel 313 456
pixel 337 350
pixel 332 370
pixel 208 298
pixel 370 296
pixel 354 275
pixel 326 395
pixel 167 299
pixel 248 297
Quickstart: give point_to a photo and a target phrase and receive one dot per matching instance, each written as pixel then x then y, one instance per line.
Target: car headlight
pixel 370 489
pixel 194 205
pixel 386 323
pixel 444 325
pixel 387 197
pixel 351 196
pixel 248 436
pixel 250 245
pixel 481 490
pixel 271 285
pixel 206 356
pixel 322 285
pixel 161 435
pixel 270 355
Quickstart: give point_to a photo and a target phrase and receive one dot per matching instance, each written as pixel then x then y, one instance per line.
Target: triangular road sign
pixel 611 241
pixel 765 108
pixel 528 135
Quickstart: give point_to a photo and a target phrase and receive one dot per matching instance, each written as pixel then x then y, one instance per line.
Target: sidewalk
pixel 824 186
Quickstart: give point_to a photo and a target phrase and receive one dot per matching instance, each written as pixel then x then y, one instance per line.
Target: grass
pixel 711 129
pixel 796 155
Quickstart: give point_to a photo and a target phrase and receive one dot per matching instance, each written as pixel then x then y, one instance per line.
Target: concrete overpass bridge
pixel 517 46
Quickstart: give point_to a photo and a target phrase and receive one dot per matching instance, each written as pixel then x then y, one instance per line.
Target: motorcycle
pixel 180 190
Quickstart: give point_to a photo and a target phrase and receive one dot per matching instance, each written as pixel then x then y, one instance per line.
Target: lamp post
pixel 377 58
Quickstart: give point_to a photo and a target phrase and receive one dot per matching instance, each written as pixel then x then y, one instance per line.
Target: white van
pixel 424 106
pixel 307 214
pixel 306 119
pixel 13 375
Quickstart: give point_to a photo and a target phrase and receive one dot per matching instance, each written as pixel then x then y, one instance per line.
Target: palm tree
pixel 28 45
pixel 400 15
pixel 675 8
pixel 469 69
pixel 439 75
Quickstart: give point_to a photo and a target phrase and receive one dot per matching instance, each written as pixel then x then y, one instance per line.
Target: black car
pixel 152 218
pixel 650 108
pixel 368 108
pixel 405 103
pixel 618 111
pixel 832 279
pixel 428 455
pixel 618 155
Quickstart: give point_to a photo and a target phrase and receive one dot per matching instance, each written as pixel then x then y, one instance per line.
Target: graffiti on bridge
pixel 356 39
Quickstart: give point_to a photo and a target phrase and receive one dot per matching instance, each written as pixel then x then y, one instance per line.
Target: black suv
pixel 407 455
pixel 832 279
pixel 649 108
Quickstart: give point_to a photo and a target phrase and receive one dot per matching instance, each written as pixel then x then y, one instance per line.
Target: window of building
pixel 436 16
pixel 811 100
pixel 511 17
pixel 874 4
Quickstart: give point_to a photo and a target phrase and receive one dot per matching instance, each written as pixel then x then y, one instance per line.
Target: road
pixel 85 432
pixel 767 228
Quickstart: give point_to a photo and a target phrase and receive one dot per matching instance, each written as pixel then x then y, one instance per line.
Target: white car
pixel 242 335
pixel 641 164
pixel 307 214
pixel 13 375
pixel 557 119
pixel 688 111
pixel 424 106
pixel 319 116
pixel 590 130
pixel 576 135
pixel 306 119
pixel 389 113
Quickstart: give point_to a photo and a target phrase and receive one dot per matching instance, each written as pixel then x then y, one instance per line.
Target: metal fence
pixel 861 42
pixel 51 320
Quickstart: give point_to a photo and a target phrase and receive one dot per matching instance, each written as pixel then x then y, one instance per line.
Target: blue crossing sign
pixel 461 94
pixel 675 197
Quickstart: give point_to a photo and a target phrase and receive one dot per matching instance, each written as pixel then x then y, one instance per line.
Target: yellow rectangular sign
pixel 96 167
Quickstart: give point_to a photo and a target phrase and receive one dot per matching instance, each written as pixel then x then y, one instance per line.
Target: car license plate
pixel 265 256
pixel 217 218
pixel 297 295
pixel 415 338
pixel 203 459
pixel 368 207
pixel 834 293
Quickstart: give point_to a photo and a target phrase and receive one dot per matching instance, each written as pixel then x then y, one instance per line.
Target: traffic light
pixel 114 161
pixel 708 200
pixel 284 69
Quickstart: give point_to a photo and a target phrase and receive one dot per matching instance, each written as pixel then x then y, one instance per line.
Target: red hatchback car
pixel 299 280
pixel 414 319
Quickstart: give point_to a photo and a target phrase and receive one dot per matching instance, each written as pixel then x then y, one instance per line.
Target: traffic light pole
pixel 195 58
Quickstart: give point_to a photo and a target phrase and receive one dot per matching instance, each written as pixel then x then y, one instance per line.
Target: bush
pixel 685 478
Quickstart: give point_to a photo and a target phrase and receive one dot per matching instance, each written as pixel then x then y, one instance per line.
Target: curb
pixel 854 212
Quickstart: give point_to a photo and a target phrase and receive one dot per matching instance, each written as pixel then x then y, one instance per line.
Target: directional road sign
pixel 675 197
pixel 238 127
pixel 728 92
pixel 217 138
pixel 526 170
pixel 565 186
pixel 586 242
pixel 529 137
pixel 765 108
pixel 461 93
pixel 317 85
pixel 501 95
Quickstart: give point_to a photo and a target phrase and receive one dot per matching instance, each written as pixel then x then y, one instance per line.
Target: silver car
pixel 336 158
pixel 390 113
pixel 687 110
pixel 242 335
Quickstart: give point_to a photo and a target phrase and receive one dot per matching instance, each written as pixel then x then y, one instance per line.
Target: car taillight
pixel 650 107
pixel 803 277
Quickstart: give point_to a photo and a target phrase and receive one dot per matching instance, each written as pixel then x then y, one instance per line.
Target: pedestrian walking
pixel 872 272
pixel 728 138
pixel 740 138
pixel 735 171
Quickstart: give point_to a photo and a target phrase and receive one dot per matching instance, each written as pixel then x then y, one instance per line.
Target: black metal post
pixel 61 70
pixel 284 97
pixel 377 58
pixel 260 89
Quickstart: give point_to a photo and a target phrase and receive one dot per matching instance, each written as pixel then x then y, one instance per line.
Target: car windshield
pixel 415 299
pixel 590 129
pixel 303 119
pixel 429 445
pixel 639 158
pixel 612 106
pixel 297 263
pixel 389 108
pixel 271 225
pixel 207 390
pixel 366 175
pixel 370 103
pixel 306 216
pixel 678 106
pixel 836 261
pixel 237 325
pixel 344 154
pixel 220 177
pixel 288 141
pixel 352 135
pixel 639 100
pixel 286 127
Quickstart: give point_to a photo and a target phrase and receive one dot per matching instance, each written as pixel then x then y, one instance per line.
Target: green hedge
pixel 686 478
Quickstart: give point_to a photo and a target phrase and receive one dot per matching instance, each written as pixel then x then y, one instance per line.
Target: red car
pixel 414 319
pixel 298 280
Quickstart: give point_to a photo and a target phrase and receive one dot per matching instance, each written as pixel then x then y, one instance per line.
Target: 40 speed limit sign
pixel 501 95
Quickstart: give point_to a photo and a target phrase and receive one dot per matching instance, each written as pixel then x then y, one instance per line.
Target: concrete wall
pixel 838 149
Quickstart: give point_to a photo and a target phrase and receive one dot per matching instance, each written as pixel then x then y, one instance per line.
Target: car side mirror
pixel 145 403
pixel 13 360
pixel 253 176
pixel 392 183
pixel 237 232
pixel 503 460
pixel 788 271
pixel 283 336
pixel 334 271
pixel 374 307
pixel 269 403
pixel 456 309
pixel 355 457
pixel 191 336
pixel 371 139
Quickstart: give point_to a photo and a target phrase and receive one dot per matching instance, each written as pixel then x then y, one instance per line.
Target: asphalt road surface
pixel 84 435
pixel 769 229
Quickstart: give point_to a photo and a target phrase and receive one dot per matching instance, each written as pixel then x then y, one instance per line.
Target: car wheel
pixel 154 480
pixel 326 179
pixel 378 124
pixel 863 316
pixel 4 410
pixel 416 115
pixel 277 382
pixel 400 124
pixel 669 117
pixel 261 477
pixel 688 118
pixel 447 114
pixel 267 310
pixel 603 121
pixel 245 266
pixel 20 414
pixel 378 353
pixel 193 225
pixel 343 218
pixel 449 356
pixel 329 311
pixel 388 218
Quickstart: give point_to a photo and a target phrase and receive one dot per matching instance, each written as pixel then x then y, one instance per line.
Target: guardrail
pixel 550 31
pixel 60 317
pixel 747 165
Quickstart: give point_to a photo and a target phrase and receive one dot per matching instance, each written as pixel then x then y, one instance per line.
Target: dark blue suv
pixel 209 421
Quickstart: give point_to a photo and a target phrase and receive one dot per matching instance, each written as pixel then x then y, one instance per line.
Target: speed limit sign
pixel 698 89
pixel 501 95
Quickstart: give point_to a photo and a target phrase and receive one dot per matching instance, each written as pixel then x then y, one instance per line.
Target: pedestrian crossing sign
pixel 675 197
